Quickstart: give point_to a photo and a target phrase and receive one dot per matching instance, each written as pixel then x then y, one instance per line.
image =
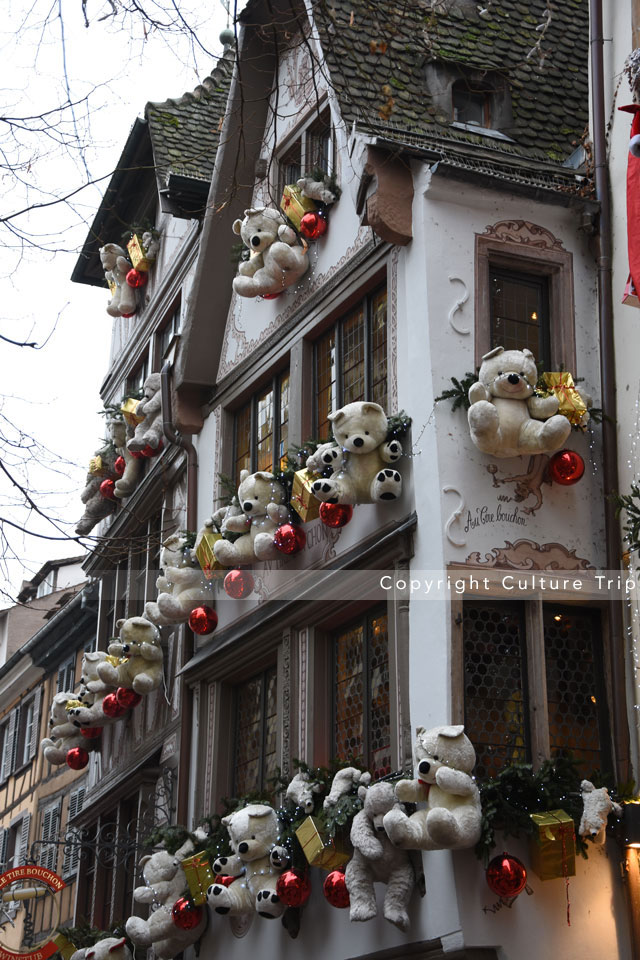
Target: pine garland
pixel 630 503
pixel 459 393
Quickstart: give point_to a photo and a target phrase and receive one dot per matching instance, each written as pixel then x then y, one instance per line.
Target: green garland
pixel 630 503
pixel 459 393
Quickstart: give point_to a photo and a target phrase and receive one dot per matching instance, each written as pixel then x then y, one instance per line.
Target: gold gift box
pixel 138 254
pixel 199 876
pixel 570 403
pixel 65 947
pixel 303 501
pixel 112 287
pixel 294 205
pixel 128 409
pixel 98 468
pixel 553 845
pixel 206 556
pixel 328 854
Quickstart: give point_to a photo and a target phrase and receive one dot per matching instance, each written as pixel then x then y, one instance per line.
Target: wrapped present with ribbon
pixel 553 845
pixel 205 554
pixel 64 945
pixel 128 409
pixel 571 404
pixel 294 205
pixel 321 852
pixel 199 876
pixel 138 255
pixel 98 468
pixel 73 704
pixel 303 501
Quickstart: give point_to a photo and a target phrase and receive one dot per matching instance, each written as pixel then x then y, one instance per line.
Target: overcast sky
pixel 53 393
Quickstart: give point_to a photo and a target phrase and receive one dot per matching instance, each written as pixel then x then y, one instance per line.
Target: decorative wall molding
pixel 460 302
pixel 523 231
pixel 392 321
pixel 529 555
pixel 457 513
pixel 285 726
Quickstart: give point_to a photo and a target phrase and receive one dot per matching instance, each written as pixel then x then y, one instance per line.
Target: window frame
pixel 490 587
pixel 262 676
pixel 66 668
pixel 541 282
pixel 299 136
pixel 275 386
pixel 547 259
pixel 366 299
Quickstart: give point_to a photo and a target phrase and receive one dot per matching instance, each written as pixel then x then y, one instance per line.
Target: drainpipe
pixel 607 375
pixel 186 694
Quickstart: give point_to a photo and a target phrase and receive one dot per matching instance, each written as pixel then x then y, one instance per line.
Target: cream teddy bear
pixel 360 461
pixel 116 266
pixel 127 483
pixel 90 682
pixel 276 262
pixel 109 948
pixel 64 734
pixel 505 418
pixel 97 507
pixel 316 190
pixel 165 882
pixel 597 807
pixel 149 432
pixel 303 791
pixel 345 781
pixel 139 644
pixel 452 817
pixel 376 859
pixel 253 834
pixel 181 586
pixel 262 502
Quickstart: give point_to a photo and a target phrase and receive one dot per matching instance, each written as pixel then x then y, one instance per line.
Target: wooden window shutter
pixel 10 746
pixel 35 729
pixel 24 838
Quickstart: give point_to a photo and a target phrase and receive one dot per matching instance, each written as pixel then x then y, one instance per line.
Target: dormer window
pixel 470 107
pixel 312 148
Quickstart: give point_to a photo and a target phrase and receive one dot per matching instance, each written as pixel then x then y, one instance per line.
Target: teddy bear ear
pixel 527 353
pixel 493 353
pixel 144 860
pixel 243 475
pixel 227 820
pixel 119 624
pixel 420 731
pixel 372 408
pixel 452 731
pixel 362 792
pixel 116 946
pixel 237 226
pixel 259 810
pixel 263 475
pixel 337 416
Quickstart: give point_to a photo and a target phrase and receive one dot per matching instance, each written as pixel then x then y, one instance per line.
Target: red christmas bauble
pixel 185 914
pixel 137 454
pixel 150 451
pixel 506 876
pixel 566 467
pixel 107 488
pixel 336 514
pixel 90 732
pixel 238 584
pixel 225 881
pixel 289 538
pixel 136 278
pixel 111 708
pixel 293 889
pixel 77 758
pixel 335 889
pixel 313 225
pixel 119 466
pixel 203 620
pixel 270 296
pixel 127 316
pixel 127 697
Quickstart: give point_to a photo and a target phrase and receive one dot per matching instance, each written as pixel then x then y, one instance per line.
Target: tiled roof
pixel 378 54
pixel 185 132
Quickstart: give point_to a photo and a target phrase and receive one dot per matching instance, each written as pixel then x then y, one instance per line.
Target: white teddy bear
pixel 452 817
pixel 261 500
pixel 116 267
pixel 64 734
pixel 149 432
pixel 109 948
pixel 302 791
pixel 96 507
pixel 276 261
pixel 181 586
pixel 597 807
pixel 316 190
pixel 360 462
pixel 139 644
pixel 127 483
pixel 345 781
pixel 165 882
pixel 90 681
pixel 505 418
pixel 376 859
pixel 253 832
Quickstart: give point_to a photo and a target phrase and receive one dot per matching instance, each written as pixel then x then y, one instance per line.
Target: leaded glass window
pixel 256 719
pixel 520 313
pixel 261 429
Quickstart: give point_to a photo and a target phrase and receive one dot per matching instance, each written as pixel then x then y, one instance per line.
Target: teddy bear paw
pixel 330 457
pixel 395 825
pixel 220 864
pixel 443 827
pixel 363 910
pixel 399 918
pixel 325 490
pixel 392 451
pixel 268 904
pixel 555 431
pixel 279 858
pixel 218 898
pixel 387 485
